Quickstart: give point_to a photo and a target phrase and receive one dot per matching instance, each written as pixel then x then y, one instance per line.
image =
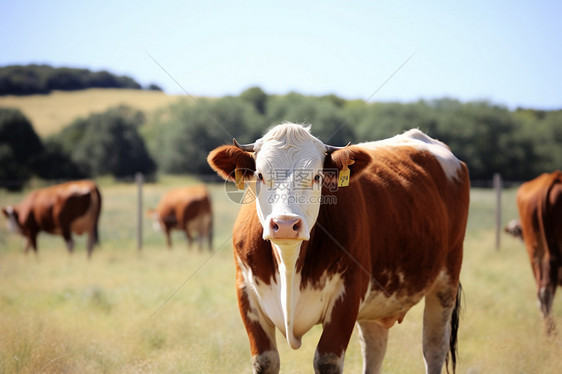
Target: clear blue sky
pixel 508 52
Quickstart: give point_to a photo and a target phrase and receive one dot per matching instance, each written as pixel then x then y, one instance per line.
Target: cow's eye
pixel 260 177
pixel 317 178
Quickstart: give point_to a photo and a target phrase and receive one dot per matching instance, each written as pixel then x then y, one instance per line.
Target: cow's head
pixel 11 214
pixel 288 165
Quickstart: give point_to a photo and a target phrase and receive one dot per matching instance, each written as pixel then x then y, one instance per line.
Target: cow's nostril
pixel 297 226
pixel 274 226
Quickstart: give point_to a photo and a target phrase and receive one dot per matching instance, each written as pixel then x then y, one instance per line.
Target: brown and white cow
pixel 307 253
pixel 63 209
pixel 540 211
pixel 187 209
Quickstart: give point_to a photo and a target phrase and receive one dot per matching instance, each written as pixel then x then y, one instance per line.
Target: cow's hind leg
pixel 440 322
pixel 546 291
pixel 68 239
pixel 373 338
pixel 91 242
pixel 189 238
pixel 546 297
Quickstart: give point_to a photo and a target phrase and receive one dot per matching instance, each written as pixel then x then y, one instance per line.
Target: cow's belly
pixel 199 224
pixel 82 224
pixel 389 309
pixel 312 305
pixel 386 309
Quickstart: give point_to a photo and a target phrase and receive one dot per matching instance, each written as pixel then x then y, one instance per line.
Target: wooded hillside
pixel 41 79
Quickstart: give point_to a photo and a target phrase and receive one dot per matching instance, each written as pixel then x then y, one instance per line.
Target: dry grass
pixel 161 311
pixel 50 113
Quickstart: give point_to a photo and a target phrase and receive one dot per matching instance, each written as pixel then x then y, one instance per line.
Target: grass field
pixel 161 311
pixel 50 113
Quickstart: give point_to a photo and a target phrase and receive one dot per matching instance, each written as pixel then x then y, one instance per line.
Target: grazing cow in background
pixel 63 209
pixel 540 211
pixel 187 209
pixel 308 252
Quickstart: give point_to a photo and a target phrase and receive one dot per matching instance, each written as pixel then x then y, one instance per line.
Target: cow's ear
pixel 225 160
pixel 351 157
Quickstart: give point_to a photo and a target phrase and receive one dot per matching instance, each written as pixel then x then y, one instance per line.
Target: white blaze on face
pixel 288 159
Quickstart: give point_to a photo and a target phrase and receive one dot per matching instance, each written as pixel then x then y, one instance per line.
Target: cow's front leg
pixel 335 337
pixel 26 245
pixel 261 334
pixel 168 237
pixel 30 241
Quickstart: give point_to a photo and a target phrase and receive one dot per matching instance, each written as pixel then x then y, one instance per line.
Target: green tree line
pixel 520 144
pixel 42 79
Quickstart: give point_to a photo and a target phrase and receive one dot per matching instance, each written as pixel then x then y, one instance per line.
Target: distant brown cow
pixel 63 209
pixel 540 210
pixel 187 209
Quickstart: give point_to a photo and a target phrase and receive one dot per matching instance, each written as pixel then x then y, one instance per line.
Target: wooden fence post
pixel 498 190
pixel 139 180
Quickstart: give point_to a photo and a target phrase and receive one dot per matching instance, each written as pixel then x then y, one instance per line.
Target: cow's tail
pixel 211 225
pixel 453 346
pixel 96 203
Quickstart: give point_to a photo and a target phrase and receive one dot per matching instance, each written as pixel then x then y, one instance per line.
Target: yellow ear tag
pixel 343 179
pixel 239 179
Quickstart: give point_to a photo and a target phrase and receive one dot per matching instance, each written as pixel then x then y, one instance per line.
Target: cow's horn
pixel 244 147
pixel 331 148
